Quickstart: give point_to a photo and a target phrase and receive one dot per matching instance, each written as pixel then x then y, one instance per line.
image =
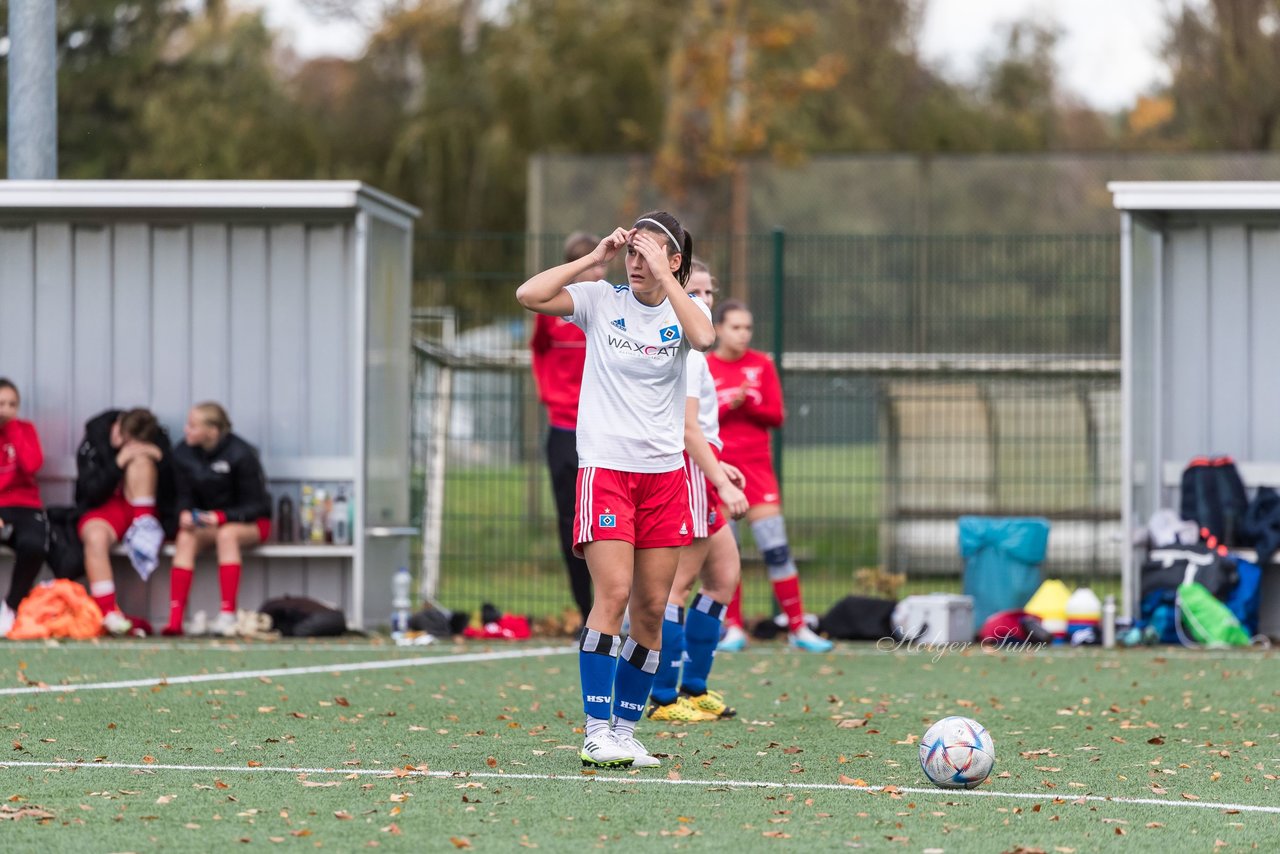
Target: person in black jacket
pixel 223 502
pixel 125 492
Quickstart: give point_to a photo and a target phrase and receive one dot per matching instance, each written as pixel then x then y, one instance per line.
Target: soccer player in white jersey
pixel 632 513
pixel 681 694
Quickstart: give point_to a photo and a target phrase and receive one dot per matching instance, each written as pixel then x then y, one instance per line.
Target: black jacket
pixel 97 474
pixel 229 478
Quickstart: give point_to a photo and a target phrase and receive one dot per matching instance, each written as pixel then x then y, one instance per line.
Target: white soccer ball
pixel 957 753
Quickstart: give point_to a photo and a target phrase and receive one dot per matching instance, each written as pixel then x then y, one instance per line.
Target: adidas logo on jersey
pixel 621 323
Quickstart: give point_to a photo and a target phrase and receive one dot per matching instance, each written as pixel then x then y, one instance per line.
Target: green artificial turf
pixel 1177 727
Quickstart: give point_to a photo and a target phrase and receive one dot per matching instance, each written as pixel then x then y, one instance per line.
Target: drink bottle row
pixel 316 513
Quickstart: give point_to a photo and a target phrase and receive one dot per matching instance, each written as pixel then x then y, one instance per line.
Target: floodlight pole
pixel 33 90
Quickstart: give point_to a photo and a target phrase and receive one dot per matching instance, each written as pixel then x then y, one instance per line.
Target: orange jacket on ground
pixel 57 609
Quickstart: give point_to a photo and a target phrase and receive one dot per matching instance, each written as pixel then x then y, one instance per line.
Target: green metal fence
pixel 925 378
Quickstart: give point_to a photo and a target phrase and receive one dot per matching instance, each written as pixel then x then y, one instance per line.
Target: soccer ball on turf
pixel 957 753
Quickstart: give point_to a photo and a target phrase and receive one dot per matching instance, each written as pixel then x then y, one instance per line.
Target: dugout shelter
pixel 1200 306
pixel 286 301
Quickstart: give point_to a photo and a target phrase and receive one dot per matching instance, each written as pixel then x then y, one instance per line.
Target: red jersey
pixel 20 458
pixel 559 351
pixel 744 428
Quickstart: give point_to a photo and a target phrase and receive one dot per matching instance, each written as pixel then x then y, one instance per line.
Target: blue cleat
pixel 806 640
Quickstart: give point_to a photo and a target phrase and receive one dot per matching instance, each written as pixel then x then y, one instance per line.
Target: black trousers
pixel 26 531
pixel 562 460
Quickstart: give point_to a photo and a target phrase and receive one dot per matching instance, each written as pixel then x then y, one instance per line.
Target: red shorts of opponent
pixel 704 500
pixel 115 511
pixel 762 484
pixel 648 510
pixel 264 525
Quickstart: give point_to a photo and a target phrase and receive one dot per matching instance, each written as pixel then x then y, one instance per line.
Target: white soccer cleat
pixel 198 625
pixel 641 757
pixel 734 640
pixel 805 639
pixel 7 616
pixel 117 624
pixel 225 625
pixel 604 751
pixel 143 540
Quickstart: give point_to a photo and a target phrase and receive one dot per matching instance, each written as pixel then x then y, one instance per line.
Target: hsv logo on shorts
pixel 608 520
pixel 669 333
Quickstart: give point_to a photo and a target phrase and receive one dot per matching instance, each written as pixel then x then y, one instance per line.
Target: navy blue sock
pixel 633 680
pixel 671 656
pixel 597 660
pixel 701 634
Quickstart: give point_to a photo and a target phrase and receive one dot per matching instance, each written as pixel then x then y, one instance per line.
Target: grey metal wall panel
pixel 210 298
pixel 1186 357
pixel 51 387
pixel 1227 322
pixel 388 371
pixel 287 342
pixel 131 314
pixel 247 380
pixel 1263 395
pixel 94 350
pixel 330 307
pixel 18 296
pixel 170 361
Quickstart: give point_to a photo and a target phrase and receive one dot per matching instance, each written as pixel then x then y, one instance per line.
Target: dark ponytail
pixel 664 224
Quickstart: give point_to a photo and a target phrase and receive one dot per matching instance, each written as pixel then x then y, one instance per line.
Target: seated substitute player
pixel 124 493
pixel 222 502
pixel 632 513
pixel 690 636
pixel 23 526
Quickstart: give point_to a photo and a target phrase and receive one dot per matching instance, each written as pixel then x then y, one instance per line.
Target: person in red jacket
pixel 23 526
pixel 559 350
pixel 750 397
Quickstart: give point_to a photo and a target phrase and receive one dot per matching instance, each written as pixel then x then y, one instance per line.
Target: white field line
pixel 382 664
pixel 211 645
pixel 759 648
pixel 393 773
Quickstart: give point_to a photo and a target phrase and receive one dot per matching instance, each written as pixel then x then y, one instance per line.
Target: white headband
pixel 674 242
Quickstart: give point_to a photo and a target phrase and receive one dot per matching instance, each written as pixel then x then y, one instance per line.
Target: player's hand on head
pixel 653 251
pixel 612 244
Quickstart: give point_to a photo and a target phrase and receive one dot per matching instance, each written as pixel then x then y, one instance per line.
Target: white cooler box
pixel 937 618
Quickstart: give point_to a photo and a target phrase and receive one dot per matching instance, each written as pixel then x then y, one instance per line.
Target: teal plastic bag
pixel 1002 559
pixel 1207 618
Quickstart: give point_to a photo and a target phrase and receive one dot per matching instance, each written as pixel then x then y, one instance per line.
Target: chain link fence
pixel 925 377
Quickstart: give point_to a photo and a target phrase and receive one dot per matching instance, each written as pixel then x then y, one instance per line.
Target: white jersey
pixel 702 385
pixel 631 407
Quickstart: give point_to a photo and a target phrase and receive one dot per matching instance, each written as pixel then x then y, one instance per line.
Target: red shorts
pixel 264 526
pixel 648 510
pixel 762 484
pixel 115 511
pixel 704 501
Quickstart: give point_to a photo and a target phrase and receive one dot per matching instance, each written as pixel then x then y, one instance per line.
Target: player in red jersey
pixel 23 526
pixel 750 397
pixel 559 349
